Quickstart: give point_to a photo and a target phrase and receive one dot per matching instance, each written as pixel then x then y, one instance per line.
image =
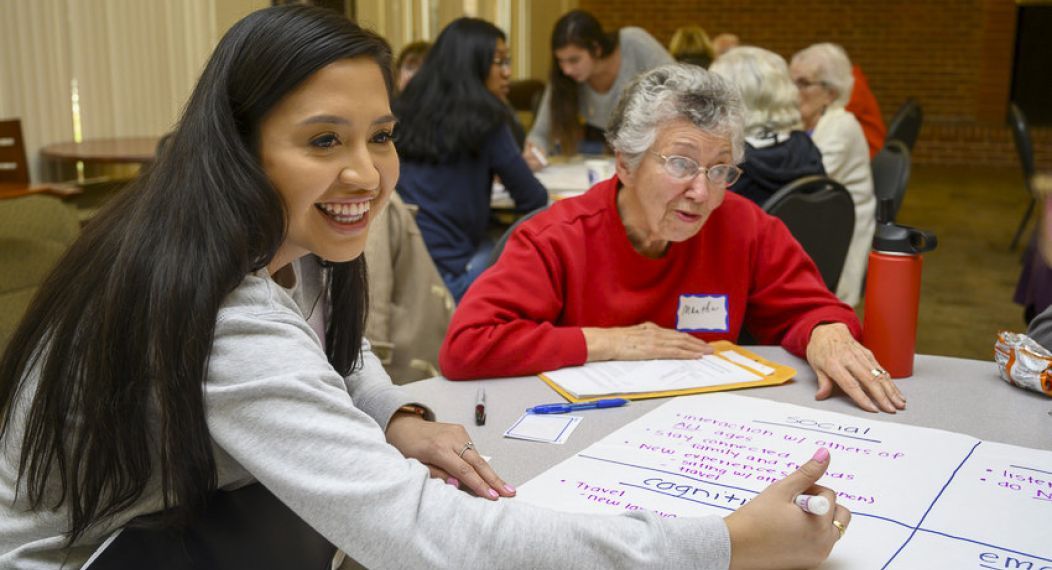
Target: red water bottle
pixel 893 292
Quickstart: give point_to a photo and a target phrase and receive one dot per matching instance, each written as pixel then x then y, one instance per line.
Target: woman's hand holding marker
pixel 794 523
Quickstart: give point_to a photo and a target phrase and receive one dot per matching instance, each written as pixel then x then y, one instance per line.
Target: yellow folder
pixel 781 375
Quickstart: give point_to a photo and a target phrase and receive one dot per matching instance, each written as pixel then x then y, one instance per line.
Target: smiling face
pixel 575 62
pixel 327 149
pixel 498 81
pixel 814 95
pixel 655 207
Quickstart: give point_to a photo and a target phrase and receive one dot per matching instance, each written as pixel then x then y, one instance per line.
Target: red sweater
pixel 572 266
pixel 863 105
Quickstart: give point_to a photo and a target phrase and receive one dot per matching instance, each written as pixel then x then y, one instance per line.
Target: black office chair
pixel 499 247
pixel 906 124
pixel 820 214
pixel 891 174
pixel 1025 148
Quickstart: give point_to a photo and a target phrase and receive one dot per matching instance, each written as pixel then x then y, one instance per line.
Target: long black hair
pixel 581 29
pixel 446 110
pixel 118 336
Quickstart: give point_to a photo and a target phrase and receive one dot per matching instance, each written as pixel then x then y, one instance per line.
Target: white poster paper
pixel 921 498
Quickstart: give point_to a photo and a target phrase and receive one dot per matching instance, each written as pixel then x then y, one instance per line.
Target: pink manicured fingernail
pixel 453 481
pixel 509 488
pixel 821 456
pixel 492 494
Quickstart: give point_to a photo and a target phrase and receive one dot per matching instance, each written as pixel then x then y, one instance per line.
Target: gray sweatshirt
pixel 1041 328
pixel 279 414
pixel 639 52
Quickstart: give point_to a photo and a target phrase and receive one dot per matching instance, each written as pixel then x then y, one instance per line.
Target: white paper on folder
pixel 921 498
pixel 639 376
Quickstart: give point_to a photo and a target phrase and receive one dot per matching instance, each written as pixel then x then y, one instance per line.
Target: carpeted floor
pixel 967 284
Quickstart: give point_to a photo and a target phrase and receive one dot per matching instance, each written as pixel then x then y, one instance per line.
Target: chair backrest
pixel 820 214
pixel 906 124
pixel 891 173
pixel 13 165
pixel 1021 134
pixel 499 247
pixel 35 232
pixel 525 94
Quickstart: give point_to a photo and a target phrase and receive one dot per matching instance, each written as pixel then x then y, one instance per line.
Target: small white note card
pixel 549 428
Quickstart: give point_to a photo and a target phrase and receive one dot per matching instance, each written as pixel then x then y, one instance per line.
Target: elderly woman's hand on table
pixel 642 342
pixel 837 357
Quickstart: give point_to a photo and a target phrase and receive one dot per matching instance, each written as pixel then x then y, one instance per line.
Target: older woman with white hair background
pixel 822 73
pixel 776 151
pixel 660 259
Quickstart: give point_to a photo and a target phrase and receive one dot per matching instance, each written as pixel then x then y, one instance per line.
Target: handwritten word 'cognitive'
pixel 680 490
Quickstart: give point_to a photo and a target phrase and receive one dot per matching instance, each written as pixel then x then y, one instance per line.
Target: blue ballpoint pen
pixel 564 408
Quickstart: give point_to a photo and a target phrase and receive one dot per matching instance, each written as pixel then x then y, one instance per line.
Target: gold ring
pixel 840 527
pixel 877 372
pixel 465 449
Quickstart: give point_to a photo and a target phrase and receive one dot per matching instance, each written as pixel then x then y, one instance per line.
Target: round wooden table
pixel 119 150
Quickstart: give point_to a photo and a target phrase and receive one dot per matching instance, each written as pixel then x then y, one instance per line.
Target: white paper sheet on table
pixel 633 377
pixel 549 428
pixel 568 178
pixel 921 498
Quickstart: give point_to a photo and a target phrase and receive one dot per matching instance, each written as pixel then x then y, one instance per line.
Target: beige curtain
pixel 134 63
pixel 405 21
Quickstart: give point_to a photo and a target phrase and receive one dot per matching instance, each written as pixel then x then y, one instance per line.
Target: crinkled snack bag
pixel 1023 362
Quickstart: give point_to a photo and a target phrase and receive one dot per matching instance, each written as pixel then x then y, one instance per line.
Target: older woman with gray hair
pixel 822 73
pixel 776 151
pixel 659 260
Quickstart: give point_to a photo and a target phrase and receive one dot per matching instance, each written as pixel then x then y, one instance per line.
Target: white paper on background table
pixel 922 498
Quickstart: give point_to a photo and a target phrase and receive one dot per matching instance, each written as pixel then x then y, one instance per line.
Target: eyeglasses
pixel 804 83
pixel 503 61
pixel 683 169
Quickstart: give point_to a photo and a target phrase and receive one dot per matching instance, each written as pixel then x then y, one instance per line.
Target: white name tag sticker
pixel 702 313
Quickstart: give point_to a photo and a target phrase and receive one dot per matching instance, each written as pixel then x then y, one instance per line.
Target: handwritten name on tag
pixel 706 313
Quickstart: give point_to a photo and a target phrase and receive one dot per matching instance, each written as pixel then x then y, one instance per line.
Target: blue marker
pixel 564 408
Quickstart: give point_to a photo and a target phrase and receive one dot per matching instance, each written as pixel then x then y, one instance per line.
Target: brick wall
pixel 953 56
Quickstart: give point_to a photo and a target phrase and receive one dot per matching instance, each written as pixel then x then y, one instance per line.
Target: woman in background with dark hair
pixel 589 70
pixel 453 137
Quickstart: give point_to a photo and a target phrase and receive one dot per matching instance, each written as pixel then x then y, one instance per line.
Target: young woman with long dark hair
pixel 590 68
pixel 193 340
pixel 453 136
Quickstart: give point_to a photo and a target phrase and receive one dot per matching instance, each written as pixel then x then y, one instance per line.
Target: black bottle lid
pixel 894 238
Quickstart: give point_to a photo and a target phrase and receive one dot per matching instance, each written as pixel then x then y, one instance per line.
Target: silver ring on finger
pixel 463 450
pixel 877 372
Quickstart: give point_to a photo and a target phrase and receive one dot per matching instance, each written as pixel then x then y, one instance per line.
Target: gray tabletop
pixel 953 394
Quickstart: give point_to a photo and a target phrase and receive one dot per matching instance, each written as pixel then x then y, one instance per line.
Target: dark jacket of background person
pixel 454 196
pixel 766 169
pixel 453 138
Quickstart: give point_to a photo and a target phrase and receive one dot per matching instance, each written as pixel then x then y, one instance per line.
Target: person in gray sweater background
pixel 590 68
pixel 205 333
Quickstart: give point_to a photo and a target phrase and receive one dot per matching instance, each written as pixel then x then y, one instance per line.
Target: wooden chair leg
pixel 1022 225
